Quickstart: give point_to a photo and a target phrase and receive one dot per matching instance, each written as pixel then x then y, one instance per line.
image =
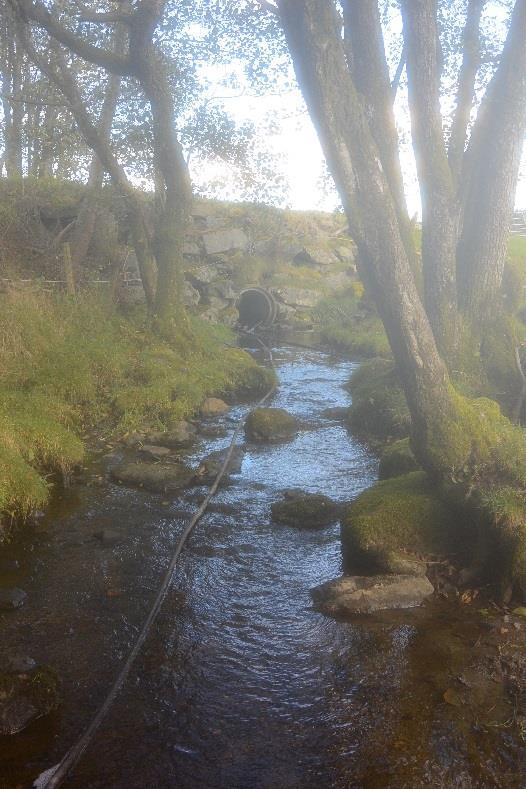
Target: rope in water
pixel 55 776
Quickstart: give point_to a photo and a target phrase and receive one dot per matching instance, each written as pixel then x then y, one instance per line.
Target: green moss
pixel 396 516
pixel 379 409
pixel 397 459
pixel 350 325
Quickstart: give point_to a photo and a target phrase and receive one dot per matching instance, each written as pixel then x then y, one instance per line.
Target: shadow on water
pixel 241 683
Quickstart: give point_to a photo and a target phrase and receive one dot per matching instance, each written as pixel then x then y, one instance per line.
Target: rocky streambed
pixel 242 682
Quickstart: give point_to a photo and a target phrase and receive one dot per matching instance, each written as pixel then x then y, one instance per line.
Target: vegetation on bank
pixel 72 367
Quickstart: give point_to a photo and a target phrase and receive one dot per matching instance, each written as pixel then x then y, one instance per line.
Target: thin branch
pixel 395 84
pixel 466 84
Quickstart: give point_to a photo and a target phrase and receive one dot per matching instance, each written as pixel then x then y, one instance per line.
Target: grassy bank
pixel 69 368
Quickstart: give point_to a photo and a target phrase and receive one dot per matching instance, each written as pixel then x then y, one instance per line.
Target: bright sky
pixel 302 159
pixel 296 144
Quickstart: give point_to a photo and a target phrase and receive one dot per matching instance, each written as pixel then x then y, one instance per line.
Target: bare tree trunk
pixel 354 160
pixel 440 208
pixel 491 173
pixel 174 203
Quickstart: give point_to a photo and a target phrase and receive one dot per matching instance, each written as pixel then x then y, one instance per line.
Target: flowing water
pixel 241 683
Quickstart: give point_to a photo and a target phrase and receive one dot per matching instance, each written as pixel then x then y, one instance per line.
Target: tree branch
pixel 466 84
pixel 395 84
pixel 36 12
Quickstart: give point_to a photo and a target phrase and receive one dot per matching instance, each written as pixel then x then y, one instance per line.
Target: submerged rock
pixel 305 511
pixel 24 697
pixel 366 594
pixel 270 424
pixel 210 466
pixel 213 406
pixel 12 598
pixel 156 477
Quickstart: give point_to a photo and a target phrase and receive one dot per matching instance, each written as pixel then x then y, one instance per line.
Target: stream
pixel 241 684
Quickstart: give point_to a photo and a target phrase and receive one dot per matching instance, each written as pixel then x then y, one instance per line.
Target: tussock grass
pixel 68 367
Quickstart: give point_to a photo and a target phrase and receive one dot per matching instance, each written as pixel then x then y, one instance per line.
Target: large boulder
pixel 26 696
pixel 379 410
pixel 305 511
pixel 366 594
pixel 155 477
pixel 270 424
pixel 225 240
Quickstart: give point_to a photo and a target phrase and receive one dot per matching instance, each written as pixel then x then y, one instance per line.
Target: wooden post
pixel 68 269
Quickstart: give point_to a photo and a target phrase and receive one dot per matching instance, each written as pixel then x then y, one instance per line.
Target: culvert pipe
pixel 256 307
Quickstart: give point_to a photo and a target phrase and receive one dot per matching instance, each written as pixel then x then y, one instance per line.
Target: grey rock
pixel 182 434
pixel 202 275
pixel 298 297
pixel 191 295
pixel 227 240
pixel 312 255
pixel 155 477
pixel 12 598
pixel 354 594
pixel 153 452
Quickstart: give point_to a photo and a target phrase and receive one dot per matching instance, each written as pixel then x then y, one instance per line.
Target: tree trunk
pixel 354 160
pixel 174 203
pixel 491 173
pixel 440 208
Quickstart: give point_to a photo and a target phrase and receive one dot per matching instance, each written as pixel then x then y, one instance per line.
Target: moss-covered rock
pixel 155 477
pixel 397 459
pixel 306 511
pixel 394 517
pixel 255 382
pixel 270 424
pixel 505 547
pixel 379 409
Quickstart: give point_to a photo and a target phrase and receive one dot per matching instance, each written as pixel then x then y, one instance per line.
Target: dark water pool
pixel 242 684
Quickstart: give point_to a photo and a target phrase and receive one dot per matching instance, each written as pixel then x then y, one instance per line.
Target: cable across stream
pixel 55 776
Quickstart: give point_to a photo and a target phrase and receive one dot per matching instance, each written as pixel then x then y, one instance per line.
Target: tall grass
pixel 69 367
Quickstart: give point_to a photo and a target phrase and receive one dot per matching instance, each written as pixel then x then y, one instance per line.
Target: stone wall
pixel 299 257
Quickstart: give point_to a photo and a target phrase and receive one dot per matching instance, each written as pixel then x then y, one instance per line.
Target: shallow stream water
pixel 241 683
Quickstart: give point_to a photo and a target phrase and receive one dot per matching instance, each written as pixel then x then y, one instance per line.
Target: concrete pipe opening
pixel 256 307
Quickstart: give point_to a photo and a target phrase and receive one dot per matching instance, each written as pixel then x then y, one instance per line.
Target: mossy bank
pixel 74 368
